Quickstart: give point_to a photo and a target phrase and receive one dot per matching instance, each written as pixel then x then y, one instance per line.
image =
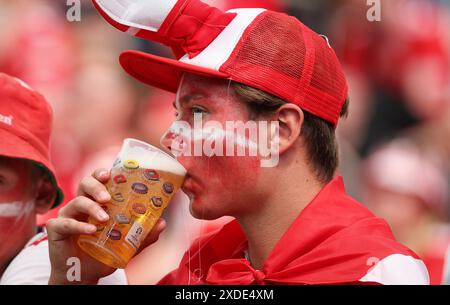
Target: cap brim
pixel 163 73
pixel 15 147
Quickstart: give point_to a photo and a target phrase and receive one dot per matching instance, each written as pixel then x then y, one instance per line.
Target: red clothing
pixel 334 240
pixel 435 255
pixel 435 265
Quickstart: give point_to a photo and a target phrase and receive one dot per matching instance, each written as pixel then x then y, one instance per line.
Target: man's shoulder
pixel 31 265
pixel 397 269
pixel 385 260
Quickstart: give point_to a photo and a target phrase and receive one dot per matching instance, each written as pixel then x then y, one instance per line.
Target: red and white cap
pixel 263 49
pixel 25 126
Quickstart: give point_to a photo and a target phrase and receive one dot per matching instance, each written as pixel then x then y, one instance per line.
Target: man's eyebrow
pixel 188 98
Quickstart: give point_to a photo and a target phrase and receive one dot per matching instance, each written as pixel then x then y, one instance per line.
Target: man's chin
pixel 199 211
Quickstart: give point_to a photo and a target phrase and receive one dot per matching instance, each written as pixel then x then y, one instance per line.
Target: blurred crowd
pixel 395 144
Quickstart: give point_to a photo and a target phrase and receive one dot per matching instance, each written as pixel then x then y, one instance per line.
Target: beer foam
pixel 149 157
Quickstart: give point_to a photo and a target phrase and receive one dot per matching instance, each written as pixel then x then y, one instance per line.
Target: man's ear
pixel 290 118
pixel 45 194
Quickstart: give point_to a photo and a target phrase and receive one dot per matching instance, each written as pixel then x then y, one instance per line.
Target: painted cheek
pixel 222 170
pixel 238 172
pixel 7 223
pixel 230 175
pixel 17 184
pixel 16 222
pixel 13 193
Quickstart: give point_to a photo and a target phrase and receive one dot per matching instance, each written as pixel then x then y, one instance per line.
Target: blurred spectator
pixel 432 137
pixel 32 32
pixel 27 180
pixel 405 58
pixel 407 189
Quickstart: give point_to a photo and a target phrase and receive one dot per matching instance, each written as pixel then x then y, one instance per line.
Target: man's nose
pixel 174 143
pixel 167 140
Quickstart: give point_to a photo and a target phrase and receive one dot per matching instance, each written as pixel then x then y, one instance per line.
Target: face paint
pixel 13 214
pixel 220 152
pixel 17 206
pixel 13 209
pixel 14 182
pixel 16 225
pixel 209 140
pixel 218 147
pixel 195 138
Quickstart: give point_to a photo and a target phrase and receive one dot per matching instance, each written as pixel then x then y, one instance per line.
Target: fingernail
pixel 103 174
pixel 104 196
pixel 91 228
pixel 102 215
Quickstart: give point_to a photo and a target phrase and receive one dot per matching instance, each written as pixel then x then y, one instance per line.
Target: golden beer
pixel 143 181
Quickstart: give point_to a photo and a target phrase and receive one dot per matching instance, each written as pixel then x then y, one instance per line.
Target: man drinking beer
pixel 294 222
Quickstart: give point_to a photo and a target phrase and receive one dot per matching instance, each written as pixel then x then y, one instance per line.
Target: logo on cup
pixel 139 208
pixel 139 188
pixel 118 197
pixel 122 219
pixel 120 179
pixel 168 188
pixel 131 164
pixel 114 234
pixel 157 201
pixel 151 175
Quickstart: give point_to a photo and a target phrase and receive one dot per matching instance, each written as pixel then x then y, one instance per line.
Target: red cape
pixel 334 240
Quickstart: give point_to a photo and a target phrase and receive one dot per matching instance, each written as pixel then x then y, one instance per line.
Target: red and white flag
pixel 334 240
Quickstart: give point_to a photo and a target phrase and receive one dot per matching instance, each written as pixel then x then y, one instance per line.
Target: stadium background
pixel 395 145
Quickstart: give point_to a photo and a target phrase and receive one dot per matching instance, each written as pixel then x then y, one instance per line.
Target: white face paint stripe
pixel 13 209
pixel 138 14
pixel 207 134
pixel 218 52
pixel 398 269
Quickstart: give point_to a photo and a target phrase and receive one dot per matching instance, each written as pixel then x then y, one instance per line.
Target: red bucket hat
pixel 263 49
pixel 25 126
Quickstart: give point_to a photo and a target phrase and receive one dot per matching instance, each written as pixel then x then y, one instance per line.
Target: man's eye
pixel 196 109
